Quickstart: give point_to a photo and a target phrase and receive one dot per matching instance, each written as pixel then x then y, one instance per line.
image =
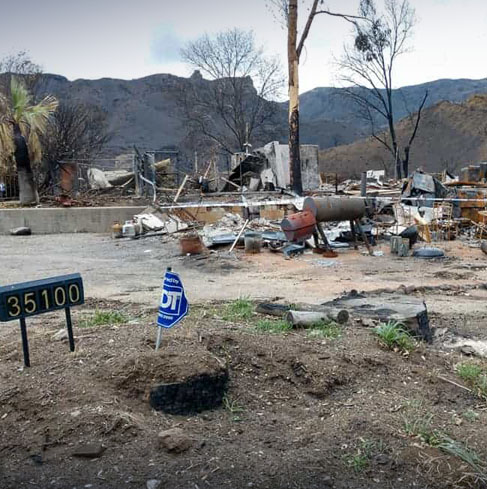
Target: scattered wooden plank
pixel 180 189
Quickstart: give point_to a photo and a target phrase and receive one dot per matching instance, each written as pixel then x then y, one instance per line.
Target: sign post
pixel 19 301
pixel 25 342
pixel 174 306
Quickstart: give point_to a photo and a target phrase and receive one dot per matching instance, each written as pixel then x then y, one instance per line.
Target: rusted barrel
pixel 191 245
pixel 299 226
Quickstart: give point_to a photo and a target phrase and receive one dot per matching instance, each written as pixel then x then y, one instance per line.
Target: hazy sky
pixel 133 38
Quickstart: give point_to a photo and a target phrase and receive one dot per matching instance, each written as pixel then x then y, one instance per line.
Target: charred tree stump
pixel 190 396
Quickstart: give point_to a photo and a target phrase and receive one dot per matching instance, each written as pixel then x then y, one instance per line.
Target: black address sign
pixel 20 301
pixel 31 298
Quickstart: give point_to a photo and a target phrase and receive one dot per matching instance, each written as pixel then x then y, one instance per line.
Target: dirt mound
pixel 301 411
pixel 137 374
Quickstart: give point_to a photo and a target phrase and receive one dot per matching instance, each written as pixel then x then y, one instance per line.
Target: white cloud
pixel 165 45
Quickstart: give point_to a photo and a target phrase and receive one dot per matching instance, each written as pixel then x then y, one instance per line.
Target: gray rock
pixel 368 323
pixel 468 350
pixel 22 231
pixel 153 484
pixel 382 459
pixel 410 289
pixel 90 450
pixel 174 440
pixel 61 335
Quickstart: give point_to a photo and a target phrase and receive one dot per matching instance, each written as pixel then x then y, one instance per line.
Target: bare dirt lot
pixel 132 270
pixel 304 409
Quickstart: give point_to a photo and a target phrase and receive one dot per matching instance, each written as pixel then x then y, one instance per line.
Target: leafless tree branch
pixel 239 98
pixel 369 65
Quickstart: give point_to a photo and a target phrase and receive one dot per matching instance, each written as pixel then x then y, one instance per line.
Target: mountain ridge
pixel 451 135
pixel 144 111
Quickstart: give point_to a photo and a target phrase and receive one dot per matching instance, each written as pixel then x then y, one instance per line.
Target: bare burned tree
pixel 75 132
pixel 21 66
pixel 238 102
pixel 288 9
pixel 368 67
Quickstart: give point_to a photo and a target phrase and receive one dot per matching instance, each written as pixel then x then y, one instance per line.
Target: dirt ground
pixel 301 411
pixel 132 270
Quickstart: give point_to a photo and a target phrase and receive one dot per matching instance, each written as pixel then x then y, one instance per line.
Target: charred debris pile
pixel 413 216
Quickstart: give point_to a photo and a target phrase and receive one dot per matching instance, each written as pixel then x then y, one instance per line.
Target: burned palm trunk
pixel 293 61
pixel 27 188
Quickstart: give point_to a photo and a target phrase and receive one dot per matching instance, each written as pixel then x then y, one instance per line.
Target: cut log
pixel 308 318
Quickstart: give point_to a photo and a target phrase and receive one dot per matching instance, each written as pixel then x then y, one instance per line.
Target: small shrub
pixel 358 462
pixel 419 426
pixel 469 371
pixel 273 326
pixel 478 467
pixel 232 406
pixel 238 310
pixel 360 459
pixel 470 415
pixel 393 336
pixel 323 329
pixel 475 376
pixel 101 318
pixel 413 404
pixel 463 452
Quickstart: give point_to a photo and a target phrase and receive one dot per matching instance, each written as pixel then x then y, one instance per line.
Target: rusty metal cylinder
pixel 299 226
pixel 309 205
pixel 338 208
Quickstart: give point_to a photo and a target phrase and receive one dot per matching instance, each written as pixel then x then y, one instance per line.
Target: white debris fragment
pixel 97 179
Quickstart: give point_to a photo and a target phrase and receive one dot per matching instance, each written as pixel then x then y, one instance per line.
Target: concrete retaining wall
pixel 66 220
pixel 100 219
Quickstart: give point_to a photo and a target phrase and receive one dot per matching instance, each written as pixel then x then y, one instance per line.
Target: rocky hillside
pixel 141 111
pixel 334 104
pixel 451 135
pixel 330 118
pixel 144 111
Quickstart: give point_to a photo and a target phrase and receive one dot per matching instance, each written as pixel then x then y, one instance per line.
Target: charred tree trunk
pixel 27 188
pixel 405 162
pixel 397 161
pixel 392 130
pixel 293 61
pixel 407 149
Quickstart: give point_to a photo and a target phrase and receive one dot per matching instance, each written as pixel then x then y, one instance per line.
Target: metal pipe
pixel 338 208
pixel 363 185
pixel 154 197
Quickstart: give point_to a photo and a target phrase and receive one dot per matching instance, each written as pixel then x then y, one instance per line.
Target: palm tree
pixel 21 124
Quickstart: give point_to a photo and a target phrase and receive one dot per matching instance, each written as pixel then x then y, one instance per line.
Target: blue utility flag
pixel 174 305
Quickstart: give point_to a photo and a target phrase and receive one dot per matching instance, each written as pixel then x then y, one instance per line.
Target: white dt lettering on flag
pixel 170 300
